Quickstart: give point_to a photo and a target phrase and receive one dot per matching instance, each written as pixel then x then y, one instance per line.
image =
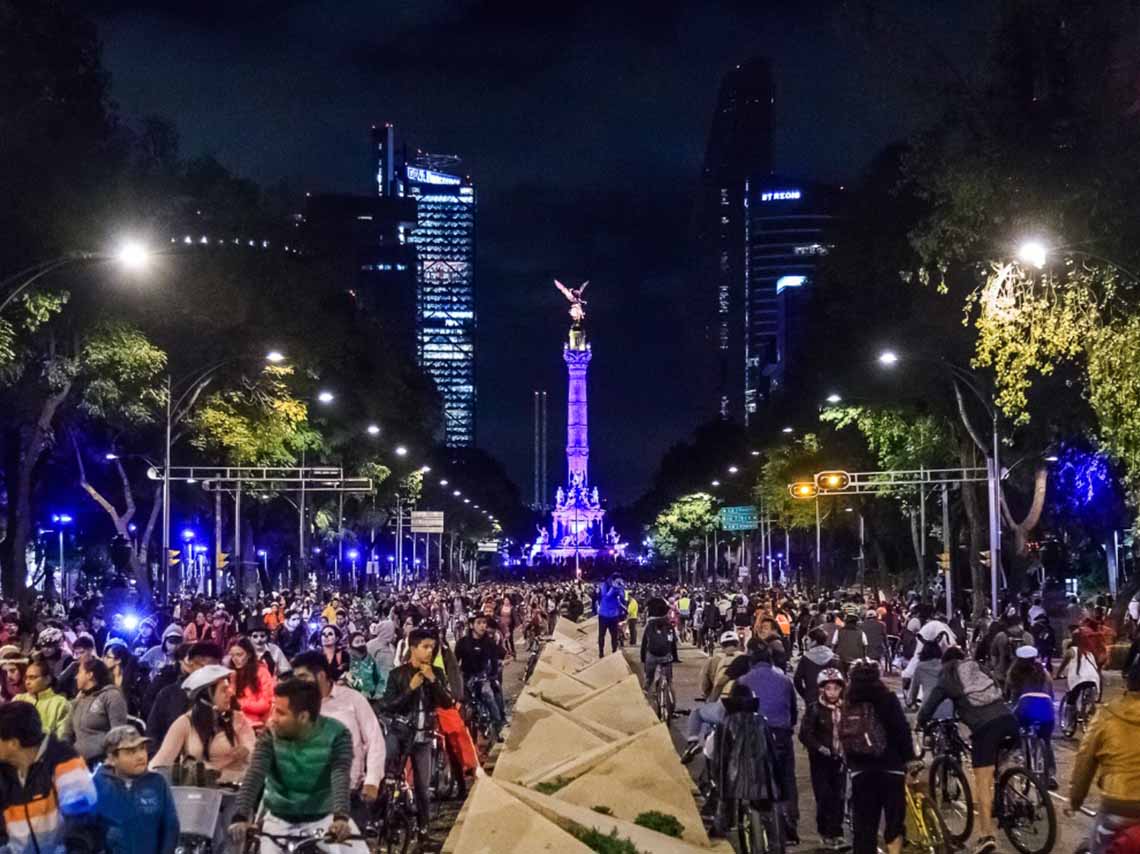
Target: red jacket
pixel 255 705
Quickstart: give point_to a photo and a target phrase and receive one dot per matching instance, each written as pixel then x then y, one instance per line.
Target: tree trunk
pixel 1021 530
pixel 15 570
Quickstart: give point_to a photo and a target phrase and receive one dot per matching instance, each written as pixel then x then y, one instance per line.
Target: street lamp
pixel 275 357
pixel 971 381
pixel 373 429
pixel 834 398
pixel 131 255
pixel 401 451
pixel 1033 252
pixel 326 397
pixel 60 520
pixel 733 469
pixel 788 430
pixel 443 482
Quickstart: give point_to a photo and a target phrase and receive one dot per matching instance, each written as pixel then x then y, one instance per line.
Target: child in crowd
pixel 819 733
pixel 135 806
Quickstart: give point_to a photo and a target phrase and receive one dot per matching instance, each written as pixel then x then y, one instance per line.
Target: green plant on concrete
pixel 661 822
pixel 595 840
pixel 604 810
pixel 549 787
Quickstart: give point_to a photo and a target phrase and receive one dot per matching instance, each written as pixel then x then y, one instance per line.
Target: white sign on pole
pixel 427 521
pixel 489 546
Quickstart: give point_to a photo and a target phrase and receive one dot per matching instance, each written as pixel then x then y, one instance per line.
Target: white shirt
pixel 349 707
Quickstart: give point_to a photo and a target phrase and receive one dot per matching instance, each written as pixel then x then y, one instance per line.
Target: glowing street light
pixel 275 357
pixel 425 469
pixel 834 398
pixel 788 430
pixel 755 453
pixel 401 451
pixel 133 255
pixel 373 429
pixel 716 483
pixel 466 500
pixel 326 397
pixel 1052 458
pixel 1033 252
pixel 443 482
pixel 733 469
pixel 110 455
pixel 888 358
pixel 457 493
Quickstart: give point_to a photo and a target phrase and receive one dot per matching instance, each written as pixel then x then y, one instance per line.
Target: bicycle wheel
pixel 952 799
pixel 397 835
pixel 1025 812
pixel 1085 704
pixel 443 779
pixel 938 836
pixel 661 701
pixel 1069 716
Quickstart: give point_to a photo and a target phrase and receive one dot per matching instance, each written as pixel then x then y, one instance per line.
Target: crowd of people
pixel 304 703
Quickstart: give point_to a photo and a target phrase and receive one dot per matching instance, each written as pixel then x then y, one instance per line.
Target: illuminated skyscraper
pixel 739 145
pixel 788 228
pixel 444 239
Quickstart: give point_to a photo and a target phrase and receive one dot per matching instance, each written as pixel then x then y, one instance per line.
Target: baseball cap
pixel 729 637
pixel 1026 651
pixel 123 736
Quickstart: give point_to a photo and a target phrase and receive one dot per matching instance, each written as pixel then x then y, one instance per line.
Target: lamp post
pixel 131 255
pixel 958 374
pixel 61 519
pixel 194 383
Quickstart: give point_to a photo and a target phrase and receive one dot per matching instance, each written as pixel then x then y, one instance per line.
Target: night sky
pixel 583 125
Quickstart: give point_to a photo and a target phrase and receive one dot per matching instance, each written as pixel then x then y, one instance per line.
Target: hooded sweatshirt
pixel 137 819
pixel 807 671
pixel 1108 755
pixel 92 717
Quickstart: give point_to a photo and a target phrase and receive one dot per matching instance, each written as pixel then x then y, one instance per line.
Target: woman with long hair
pixel 126 674
pixel 252 683
pixel 214 731
pixel 99 708
pixel 329 643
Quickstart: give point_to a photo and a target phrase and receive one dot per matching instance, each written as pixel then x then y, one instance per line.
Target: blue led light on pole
pixel 60 520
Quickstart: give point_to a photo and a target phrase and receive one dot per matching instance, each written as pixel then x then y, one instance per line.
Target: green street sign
pixel 740 518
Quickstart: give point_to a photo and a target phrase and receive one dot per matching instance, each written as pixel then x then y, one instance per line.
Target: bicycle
pixel 949 785
pixel 926 829
pixel 1077 707
pixel 295 843
pixel 892 651
pixel 443 783
pixel 758 829
pixel 664 701
pixel 480 721
pixel 534 649
pixel 398 825
pixel 1021 803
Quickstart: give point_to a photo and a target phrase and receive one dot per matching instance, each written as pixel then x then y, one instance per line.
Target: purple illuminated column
pixel 577 420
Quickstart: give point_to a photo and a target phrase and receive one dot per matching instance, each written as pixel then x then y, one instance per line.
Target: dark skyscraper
pixel 444 240
pixel 739 146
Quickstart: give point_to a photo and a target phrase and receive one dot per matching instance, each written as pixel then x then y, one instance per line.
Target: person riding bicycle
pixel 1030 689
pixel 478 654
pixel 1110 754
pixel 301 772
pixel 415 690
pixel 658 649
pixel 712 621
pixel 979 704
pixel 1078 666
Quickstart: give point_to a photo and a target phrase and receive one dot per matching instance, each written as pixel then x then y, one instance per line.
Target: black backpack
pixel 659 640
pixel 861 732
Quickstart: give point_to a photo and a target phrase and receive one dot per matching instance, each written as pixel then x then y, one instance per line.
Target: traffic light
pixel 173 557
pixel 221 559
pixel 984 558
pixel 832 480
pixel 944 562
pixel 803 489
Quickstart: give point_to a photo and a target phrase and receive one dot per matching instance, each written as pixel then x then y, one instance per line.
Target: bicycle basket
pixel 198 809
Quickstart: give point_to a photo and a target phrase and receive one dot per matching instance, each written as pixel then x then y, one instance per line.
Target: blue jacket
pixel 611 602
pixel 138 820
pixel 773 689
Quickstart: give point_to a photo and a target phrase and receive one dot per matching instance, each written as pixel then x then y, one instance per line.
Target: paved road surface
pixel 1071 831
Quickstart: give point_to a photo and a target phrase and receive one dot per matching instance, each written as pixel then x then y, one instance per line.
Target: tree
pixel 679 527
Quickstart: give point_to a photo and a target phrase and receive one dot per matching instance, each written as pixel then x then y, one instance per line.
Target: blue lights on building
pixel 444 238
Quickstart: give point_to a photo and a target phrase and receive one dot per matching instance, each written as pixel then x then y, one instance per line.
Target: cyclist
pixel 711 620
pixel 1078 666
pixel 415 690
pixel 478 655
pixel 303 766
pixel 350 708
pixel 981 708
pixel 1109 754
pixel 658 649
pixel 714 683
pixel 1030 689
pixel 684 610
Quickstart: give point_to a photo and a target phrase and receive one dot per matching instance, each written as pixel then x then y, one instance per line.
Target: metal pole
pixel 302 557
pixel 62 569
pixel 862 553
pixel 399 544
pixel 995 519
pixel 217 539
pixel 237 535
pixel 414 554
pixel 922 534
pixel 716 555
pixel 169 574
pixel 818 549
pixel 339 535
pixel 946 550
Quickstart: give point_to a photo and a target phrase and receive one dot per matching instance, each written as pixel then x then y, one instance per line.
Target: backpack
pixel 861 732
pixel 659 641
pixel 978 687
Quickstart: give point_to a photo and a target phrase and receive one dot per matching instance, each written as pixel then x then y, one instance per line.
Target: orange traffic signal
pixel 803 489
pixel 832 480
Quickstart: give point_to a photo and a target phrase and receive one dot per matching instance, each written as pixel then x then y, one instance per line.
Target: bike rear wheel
pixel 938 837
pixel 398 834
pixel 757 832
pixel 1025 811
pixel 952 798
pixel 1084 704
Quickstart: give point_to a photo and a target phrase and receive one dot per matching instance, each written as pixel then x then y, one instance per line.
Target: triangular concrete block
pixel 556 687
pixel 642 776
pixel 604 672
pixel 566 627
pixel 578 765
pixel 499 823
pixel 569 815
pixel 621 706
pixel 542 735
pixel 564 659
